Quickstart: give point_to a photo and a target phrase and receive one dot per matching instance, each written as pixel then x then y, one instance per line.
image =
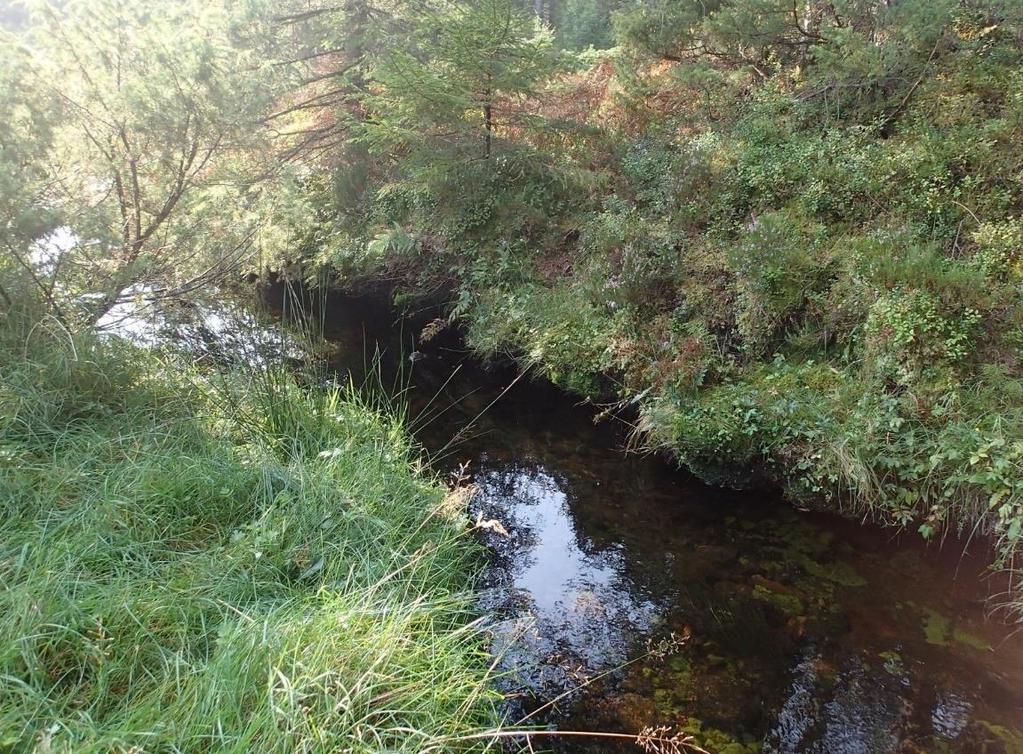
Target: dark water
pixel 779 631
pixel 626 594
pixel 632 595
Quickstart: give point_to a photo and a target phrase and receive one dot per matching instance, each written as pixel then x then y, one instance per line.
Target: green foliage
pixel 197 565
pixel 999 248
pixel 779 269
pixel 795 246
pixel 26 134
pixel 663 28
pixel 906 335
pixel 145 148
pixel 449 95
pixel 771 423
pixel 579 24
pixel 548 330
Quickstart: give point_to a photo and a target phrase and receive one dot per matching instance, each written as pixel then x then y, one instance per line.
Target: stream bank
pixel 636 595
pixel 623 593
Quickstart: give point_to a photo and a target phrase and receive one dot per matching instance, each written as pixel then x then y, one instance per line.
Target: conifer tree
pixel 155 145
pixel 455 91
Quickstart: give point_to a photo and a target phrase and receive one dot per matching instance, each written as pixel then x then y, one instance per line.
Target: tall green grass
pixel 221 564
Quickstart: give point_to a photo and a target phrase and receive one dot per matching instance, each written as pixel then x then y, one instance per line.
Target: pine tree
pixel 456 91
pixel 156 144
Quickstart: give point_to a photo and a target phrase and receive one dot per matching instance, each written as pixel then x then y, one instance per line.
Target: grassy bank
pixel 214 564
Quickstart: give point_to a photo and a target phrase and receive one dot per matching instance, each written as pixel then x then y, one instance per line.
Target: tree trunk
pixel 488 122
pixel 488 114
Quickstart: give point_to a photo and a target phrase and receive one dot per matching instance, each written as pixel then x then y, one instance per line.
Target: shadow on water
pixel 786 632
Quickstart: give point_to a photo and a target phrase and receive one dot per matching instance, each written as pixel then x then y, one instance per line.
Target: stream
pixel 623 593
pixel 631 595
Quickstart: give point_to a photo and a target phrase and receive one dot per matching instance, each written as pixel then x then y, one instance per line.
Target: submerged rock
pixel 861 711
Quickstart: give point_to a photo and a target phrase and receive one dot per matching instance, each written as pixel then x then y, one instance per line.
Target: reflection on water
pixel 806 634
pixel 568 608
pixel 211 327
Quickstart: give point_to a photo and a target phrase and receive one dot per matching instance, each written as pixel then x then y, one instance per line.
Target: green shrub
pixel 907 337
pixel 999 252
pixel 778 267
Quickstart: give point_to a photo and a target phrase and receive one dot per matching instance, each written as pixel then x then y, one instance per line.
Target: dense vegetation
pixel 790 234
pixel 198 562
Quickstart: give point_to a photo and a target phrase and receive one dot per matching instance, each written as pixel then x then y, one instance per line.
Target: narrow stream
pixel 625 594
pixel 800 632
pixel 637 596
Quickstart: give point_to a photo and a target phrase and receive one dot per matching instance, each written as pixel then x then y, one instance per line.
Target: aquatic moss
pixel 837 572
pixel 940 630
pixel 1011 741
pixel 973 641
pixel 719 741
pixel 789 604
pixel 937 627
pixel 673 687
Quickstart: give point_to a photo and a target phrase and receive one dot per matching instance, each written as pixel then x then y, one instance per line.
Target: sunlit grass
pixel 196 564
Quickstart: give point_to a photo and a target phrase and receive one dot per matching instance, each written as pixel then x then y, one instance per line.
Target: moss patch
pixel 789 604
pixel 970 640
pixel 937 627
pixel 1010 740
pixel 837 572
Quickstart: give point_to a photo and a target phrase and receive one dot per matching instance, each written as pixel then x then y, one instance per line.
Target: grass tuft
pixel 229 564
